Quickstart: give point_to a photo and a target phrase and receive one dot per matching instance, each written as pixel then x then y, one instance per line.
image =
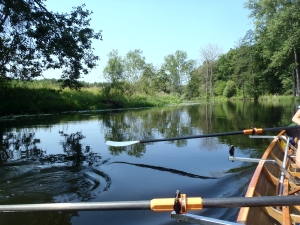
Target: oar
pixel 158 205
pixel 248 131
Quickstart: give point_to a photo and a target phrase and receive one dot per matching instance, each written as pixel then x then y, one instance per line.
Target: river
pixel 64 158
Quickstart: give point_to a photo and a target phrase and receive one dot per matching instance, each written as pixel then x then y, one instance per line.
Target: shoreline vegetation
pixel 262 66
pixel 46 97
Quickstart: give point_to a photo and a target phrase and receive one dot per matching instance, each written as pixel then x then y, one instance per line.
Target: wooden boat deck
pixel 265 182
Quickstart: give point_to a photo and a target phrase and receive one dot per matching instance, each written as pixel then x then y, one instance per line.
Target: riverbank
pixel 28 98
pixel 22 98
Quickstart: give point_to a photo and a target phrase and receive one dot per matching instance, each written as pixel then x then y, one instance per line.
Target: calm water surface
pixel 64 158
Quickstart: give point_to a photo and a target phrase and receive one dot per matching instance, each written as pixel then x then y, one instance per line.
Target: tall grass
pixel 45 96
pixel 36 97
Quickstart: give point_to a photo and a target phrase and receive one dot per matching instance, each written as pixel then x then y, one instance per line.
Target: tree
pixel 219 87
pixel 162 81
pixel 278 30
pixel 33 39
pixel 134 65
pixel 178 68
pixel 230 89
pixel 113 72
pixel 146 82
pixel 225 67
pixel 192 89
pixel 154 80
pixel 243 61
pixel 209 55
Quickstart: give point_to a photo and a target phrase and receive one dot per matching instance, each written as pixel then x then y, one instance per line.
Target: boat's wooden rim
pixel 244 211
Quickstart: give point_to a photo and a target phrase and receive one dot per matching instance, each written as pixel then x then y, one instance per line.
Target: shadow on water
pixel 170 170
pixel 28 175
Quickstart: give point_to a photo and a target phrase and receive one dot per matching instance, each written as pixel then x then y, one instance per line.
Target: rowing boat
pixel 275 175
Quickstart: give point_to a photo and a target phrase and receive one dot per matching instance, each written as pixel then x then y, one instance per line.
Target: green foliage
pixel 147 79
pixel 162 82
pixel 134 64
pixel 230 89
pixel 45 96
pixel 33 39
pixel 261 63
pixel 192 89
pixel 178 68
pixel 219 87
pixel 114 70
pixel 114 73
pixel 243 64
pixel 225 66
pixel 287 86
pixel 277 27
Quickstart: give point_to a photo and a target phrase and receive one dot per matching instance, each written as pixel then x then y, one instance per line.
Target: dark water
pixel 64 158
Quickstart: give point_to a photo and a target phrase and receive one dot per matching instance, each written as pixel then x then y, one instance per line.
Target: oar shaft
pixel 77 206
pixel 251 201
pixel 248 131
pixel 159 205
pixel 281 128
pixel 193 137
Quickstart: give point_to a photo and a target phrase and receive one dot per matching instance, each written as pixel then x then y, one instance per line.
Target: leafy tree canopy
pixel 34 39
pixel 179 68
pixel 114 70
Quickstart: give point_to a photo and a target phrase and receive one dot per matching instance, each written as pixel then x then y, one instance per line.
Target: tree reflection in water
pixel 20 145
pixel 75 153
pixel 28 175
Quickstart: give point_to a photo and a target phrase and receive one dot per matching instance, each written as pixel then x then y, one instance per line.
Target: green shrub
pixel 219 87
pixel 230 89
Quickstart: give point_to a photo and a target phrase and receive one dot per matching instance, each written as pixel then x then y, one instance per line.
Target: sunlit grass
pixel 19 97
pixel 46 96
pixel 152 100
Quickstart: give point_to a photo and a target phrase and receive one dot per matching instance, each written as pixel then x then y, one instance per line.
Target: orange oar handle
pixel 253 131
pixel 167 204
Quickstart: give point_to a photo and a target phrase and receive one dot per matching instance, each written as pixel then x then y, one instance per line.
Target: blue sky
pixel 159 27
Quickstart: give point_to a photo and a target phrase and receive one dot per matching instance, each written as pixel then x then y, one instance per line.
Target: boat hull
pixel 267 181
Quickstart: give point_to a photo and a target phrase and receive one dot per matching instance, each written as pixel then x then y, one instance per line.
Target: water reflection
pixel 77 166
pixel 29 175
pixel 148 124
pixel 23 145
pixel 194 120
pixel 74 151
pixel 20 145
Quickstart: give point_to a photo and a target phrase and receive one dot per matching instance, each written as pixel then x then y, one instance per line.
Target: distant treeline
pixel 263 62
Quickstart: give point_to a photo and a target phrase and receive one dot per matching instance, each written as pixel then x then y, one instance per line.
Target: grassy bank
pixel 264 98
pixel 38 97
pixel 44 97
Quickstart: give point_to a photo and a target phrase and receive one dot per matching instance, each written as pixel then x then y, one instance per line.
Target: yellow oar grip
pixel 253 131
pixel 167 204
